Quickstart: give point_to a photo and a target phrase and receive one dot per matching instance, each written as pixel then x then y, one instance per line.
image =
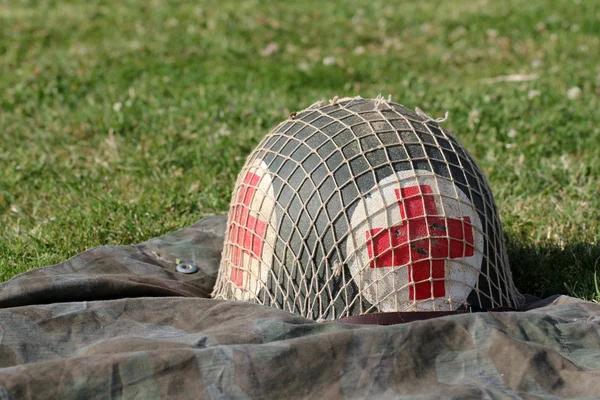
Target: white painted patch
pixel 252 264
pixel 387 288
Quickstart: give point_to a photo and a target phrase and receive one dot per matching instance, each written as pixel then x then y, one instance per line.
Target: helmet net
pixel 361 205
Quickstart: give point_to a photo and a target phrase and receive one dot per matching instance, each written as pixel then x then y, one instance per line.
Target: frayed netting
pixel 361 205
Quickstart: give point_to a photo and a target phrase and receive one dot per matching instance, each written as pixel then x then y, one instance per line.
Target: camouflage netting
pixel 362 205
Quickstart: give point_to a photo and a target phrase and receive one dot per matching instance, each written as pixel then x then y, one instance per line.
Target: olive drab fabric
pixel 125 322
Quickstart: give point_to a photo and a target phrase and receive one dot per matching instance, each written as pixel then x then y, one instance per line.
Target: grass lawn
pixel 124 120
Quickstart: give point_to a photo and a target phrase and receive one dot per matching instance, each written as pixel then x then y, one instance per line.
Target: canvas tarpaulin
pixel 122 322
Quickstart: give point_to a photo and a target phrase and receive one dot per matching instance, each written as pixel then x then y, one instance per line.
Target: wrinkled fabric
pixel 121 322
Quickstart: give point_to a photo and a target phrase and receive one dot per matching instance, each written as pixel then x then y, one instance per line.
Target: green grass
pixel 123 120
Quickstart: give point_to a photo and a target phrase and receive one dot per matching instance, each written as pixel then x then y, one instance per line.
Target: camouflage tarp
pixel 121 322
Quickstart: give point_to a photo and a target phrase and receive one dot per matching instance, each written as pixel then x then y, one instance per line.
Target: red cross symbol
pixel 422 242
pixel 247 232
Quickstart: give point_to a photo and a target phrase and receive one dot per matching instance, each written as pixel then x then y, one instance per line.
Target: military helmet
pixel 356 206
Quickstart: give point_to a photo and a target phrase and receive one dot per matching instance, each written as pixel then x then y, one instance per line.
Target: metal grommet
pixel 187 268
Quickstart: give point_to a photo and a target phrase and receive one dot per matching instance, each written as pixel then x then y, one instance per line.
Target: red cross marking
pixel 247 232
pixel 422 242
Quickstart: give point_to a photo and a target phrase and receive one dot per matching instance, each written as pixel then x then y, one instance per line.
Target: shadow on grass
pixel 546 269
